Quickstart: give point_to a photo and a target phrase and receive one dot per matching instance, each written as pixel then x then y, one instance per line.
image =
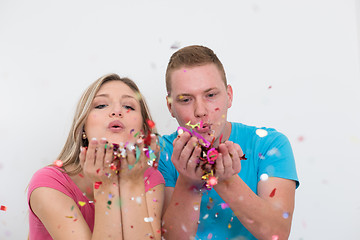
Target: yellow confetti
pixel 229 226
pixel 81 203
pixel 192 125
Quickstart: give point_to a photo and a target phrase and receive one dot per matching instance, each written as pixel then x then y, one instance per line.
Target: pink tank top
pixel 54 177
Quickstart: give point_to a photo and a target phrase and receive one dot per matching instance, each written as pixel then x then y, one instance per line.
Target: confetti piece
pixel 243 157
pixel 97 171
pixel 212 181
pixel 273 151
pixel 183 228
pixel 300 138
pixel 80 175
pixel 262 157
pixel 212 155
pixel 209 236
pixel 217 109
pixel 138 200
pixel 150 123
pixel 224 205
pixel 175 45
pixel 261 132
pixel 81 203
pixel 285 215
pixel 274 237
pixel 270 87
pixel 206 216
pixel 97 185
pixel 149 219
pixel 272 194
pixel 229 225
pixel 58 163
pixel 264 177
pixel 196 207
pixel 3 208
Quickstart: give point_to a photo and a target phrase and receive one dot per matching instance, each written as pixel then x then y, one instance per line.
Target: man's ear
pixel 169 101
pixel 230 95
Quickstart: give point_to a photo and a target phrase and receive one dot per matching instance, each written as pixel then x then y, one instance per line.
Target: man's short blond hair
pixel 192 56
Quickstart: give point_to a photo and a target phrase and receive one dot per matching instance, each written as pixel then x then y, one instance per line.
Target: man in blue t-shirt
pixel 249 194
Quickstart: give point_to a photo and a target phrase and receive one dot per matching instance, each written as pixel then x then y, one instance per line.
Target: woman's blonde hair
pixel 71 150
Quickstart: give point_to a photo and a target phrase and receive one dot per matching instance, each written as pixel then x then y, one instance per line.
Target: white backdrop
pixel 293 65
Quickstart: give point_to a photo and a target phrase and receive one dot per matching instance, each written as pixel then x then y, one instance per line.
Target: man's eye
pixel 129 107
pixel 211 95
pixel 100 106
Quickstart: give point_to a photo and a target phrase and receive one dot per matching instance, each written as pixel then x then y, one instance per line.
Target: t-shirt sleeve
pixel 153 178
pixel 278 158
pixel 166 167
pixel 50 177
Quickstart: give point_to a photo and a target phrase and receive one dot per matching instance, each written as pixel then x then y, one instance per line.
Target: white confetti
pixel 273 151
pixel 264 177
pixel 261 132
pixel 149 219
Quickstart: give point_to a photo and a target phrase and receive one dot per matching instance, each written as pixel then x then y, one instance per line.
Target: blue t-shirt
pixel 270 154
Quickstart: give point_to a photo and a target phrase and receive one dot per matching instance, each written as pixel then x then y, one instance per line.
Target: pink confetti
pixel 224 205
pixel 97 185
pixel 58 163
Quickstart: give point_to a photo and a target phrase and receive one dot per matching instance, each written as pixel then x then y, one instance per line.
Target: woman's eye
pixel 100 106
pixel 129 107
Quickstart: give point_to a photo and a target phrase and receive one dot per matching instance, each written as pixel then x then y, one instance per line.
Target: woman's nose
pixel 116 111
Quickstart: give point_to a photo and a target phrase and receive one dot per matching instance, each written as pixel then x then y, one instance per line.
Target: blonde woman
pixel 101 190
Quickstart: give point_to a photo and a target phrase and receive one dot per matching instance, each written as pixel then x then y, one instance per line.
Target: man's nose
pixel 200 109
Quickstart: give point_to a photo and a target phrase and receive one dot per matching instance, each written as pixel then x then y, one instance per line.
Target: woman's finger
pixel 100 155
pixel 131 152
pixel 82 156
pixel 91 152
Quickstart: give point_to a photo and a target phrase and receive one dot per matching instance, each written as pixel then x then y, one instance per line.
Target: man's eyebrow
pixel 210 89
pixel 183 95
